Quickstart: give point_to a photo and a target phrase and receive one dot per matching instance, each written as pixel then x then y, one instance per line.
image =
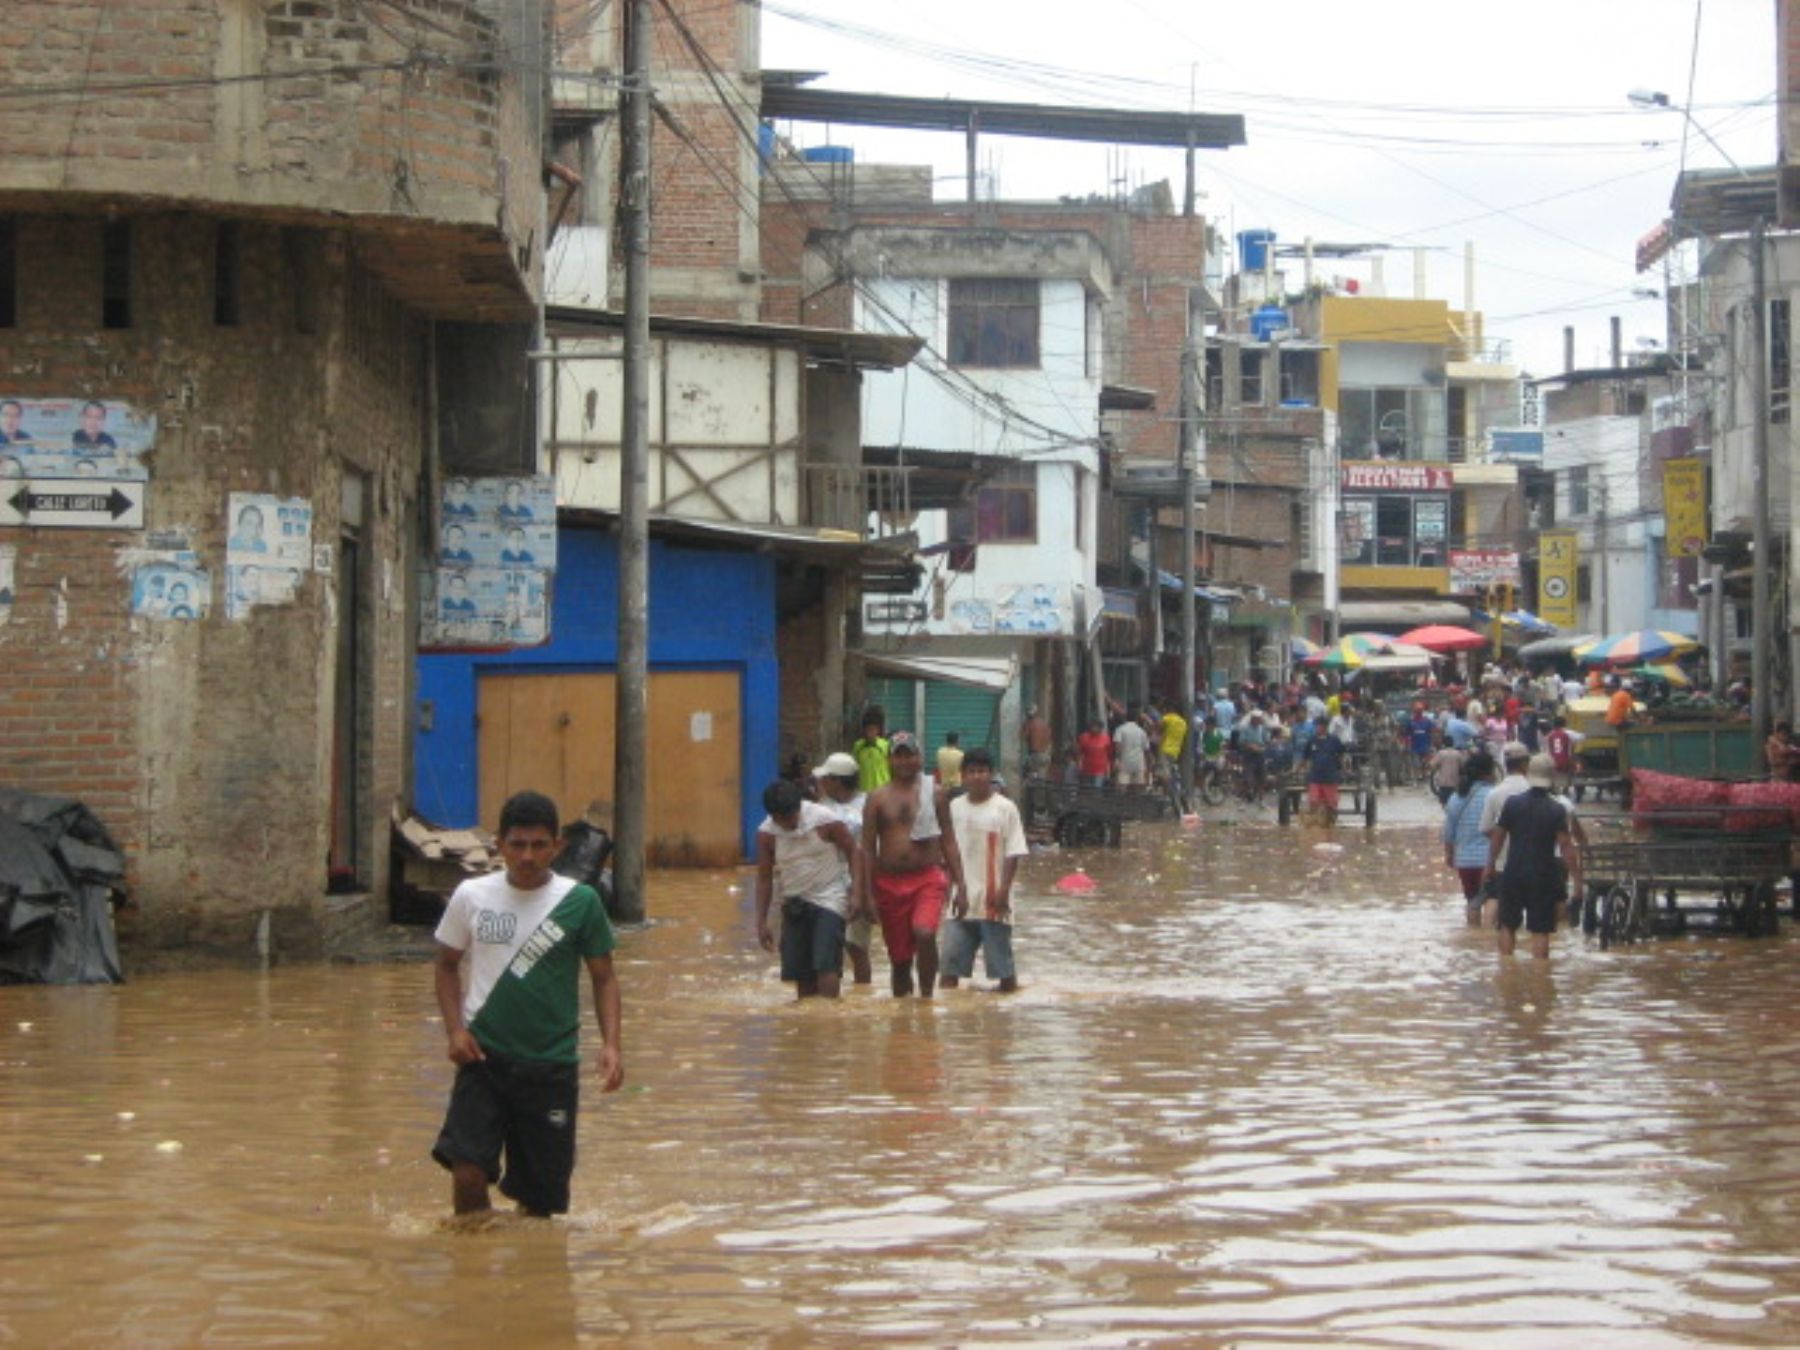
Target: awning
pixel 1402 613
pixel 1218 595
pixel 1545 648
pixel 992 673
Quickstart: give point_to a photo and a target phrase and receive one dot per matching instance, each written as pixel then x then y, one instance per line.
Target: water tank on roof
pixel 1253 248
pixel 1268 320
pixel 828 154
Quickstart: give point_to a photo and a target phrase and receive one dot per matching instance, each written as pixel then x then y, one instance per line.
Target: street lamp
pixel 1655 99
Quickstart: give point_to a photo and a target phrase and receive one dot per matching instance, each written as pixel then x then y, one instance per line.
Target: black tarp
pixel 60 876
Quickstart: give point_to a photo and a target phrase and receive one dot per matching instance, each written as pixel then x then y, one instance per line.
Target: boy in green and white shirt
pixel 514 1032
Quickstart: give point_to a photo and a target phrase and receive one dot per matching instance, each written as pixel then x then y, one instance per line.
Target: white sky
pixel 1411 122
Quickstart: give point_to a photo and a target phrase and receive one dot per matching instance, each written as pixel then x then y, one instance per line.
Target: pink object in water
pixel 1076 883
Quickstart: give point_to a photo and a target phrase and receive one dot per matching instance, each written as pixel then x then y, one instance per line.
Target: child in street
pixel 809 850
pixel 991 838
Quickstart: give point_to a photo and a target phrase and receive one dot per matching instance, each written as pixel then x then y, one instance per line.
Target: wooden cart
pixel 1086 817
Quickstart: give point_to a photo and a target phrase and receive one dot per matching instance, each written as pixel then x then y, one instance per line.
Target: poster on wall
pixel 1684 506
pixel 169 584
pixel 490 586
pixel 6 584
pixel 67 438
pixel 1032 609
pixel 484 607
pixel 267 550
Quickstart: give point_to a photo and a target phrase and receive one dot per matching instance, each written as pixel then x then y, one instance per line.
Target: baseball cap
pixel 1514 750
pixel 838 765
pixel 903 740
pixel 1541 772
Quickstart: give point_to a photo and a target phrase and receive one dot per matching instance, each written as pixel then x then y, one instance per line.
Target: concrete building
pixel 254 237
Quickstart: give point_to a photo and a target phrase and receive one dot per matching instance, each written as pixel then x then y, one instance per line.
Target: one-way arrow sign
pixel 73 503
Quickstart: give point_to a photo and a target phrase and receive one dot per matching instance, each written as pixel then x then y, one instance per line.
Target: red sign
pixel 1473 570
pixel 1391 476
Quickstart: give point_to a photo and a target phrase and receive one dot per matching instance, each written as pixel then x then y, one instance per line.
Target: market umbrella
pixel 1667 671
pixel 1299 648
pixel 1443 637
pixel 1348 653
pixel 1644 646
pixel 1526 621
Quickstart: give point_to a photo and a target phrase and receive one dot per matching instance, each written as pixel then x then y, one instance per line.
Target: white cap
pixel 838 765
pixel 1541 772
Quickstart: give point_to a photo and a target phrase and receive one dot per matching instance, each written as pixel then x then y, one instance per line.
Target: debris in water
pixel 169 1146
pixel 127 1116
pixel 1076 883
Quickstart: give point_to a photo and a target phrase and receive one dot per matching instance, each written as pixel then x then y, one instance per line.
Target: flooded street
pixel 1255 1091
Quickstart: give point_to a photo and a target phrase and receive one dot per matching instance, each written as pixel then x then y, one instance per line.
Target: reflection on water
pixel 1261 1085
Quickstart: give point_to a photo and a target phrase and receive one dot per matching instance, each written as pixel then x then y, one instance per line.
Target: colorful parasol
pixel 1443 637
pixel 1348 653
pixel 1645 646
pixel 1299 648
pixel 1668 672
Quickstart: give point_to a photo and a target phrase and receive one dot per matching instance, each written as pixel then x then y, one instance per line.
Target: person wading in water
pixel 910 848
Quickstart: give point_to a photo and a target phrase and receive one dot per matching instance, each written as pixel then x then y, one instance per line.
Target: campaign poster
pixel 169 584
pixel 267 550
pixel 66 438
pixel 498 522
pixel 7 585
pixel 486 607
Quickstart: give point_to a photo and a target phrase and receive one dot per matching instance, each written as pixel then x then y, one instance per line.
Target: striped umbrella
pixel 1348 653
pixel 1645 646
pixel 1668 672
pixel 1299 649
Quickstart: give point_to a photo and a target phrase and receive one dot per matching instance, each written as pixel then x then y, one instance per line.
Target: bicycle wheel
pixel 1213 786
pixel 1615 914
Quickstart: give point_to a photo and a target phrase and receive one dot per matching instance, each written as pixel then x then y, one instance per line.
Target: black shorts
pixel 812 940
pixel 524 1109
pixel 1534 906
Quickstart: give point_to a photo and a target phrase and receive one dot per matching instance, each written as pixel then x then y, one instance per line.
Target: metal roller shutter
pixel 968 712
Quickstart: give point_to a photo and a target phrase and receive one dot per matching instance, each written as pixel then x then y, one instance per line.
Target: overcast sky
pixel 1387 120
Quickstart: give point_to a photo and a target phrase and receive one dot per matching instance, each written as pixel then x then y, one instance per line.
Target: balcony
pixel 870 501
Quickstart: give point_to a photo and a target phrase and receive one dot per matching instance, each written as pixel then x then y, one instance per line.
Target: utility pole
pixel 1193 403
pixel 1764 561
pixel 631 737
pixel 1604 545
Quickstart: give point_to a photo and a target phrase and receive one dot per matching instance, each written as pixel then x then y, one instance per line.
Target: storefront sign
pixel 1557 556
pixel 1473 570
pixel 1684 506
pixel 1390 476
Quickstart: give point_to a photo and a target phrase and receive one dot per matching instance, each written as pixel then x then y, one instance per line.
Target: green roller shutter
pixel 968 712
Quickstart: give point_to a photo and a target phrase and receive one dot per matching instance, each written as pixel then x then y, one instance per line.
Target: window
pixel 1780 361
pixel 1250 378
pixel 115 274
pixel 1584 585
pixel 303 265
pixel 1005 510
pixel 226 254
pixel 994 322
pixel 1080 475
pixel 1393 530
pixel 1379 424
pixel 1578 491
pixel 9 273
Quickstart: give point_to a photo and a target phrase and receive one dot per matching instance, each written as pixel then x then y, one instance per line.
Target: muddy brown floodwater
pixel 1255 1091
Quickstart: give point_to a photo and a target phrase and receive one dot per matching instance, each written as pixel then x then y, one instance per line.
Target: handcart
pixel 1663 869
pixel 1087 817
pixel 1356 791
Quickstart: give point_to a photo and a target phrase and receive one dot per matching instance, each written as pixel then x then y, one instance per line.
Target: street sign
pixel 73 503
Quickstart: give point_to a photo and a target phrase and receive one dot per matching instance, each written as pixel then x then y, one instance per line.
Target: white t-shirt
pixel 489 919
pixel 987 833
pixel 807 864
pixel 1132 743
pixel 850 812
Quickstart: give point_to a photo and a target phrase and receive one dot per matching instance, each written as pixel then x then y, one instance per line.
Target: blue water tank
pixel 1266 321
pixel 1253 248
pixel 828 154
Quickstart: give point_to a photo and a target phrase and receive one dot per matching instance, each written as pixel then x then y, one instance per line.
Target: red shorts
pixel 908 903
pixel 1323 794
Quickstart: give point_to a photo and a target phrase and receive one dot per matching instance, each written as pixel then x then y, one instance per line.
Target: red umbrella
pixel 1440 637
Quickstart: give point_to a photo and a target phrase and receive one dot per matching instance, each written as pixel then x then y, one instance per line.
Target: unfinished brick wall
pixel 311 104
pixel 205 745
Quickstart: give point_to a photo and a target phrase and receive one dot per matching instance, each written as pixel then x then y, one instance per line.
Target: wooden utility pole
pixel 1193 484
pixel 631 737
pixel 1762 545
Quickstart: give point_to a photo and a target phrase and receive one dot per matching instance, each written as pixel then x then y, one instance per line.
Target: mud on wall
pixel 206 746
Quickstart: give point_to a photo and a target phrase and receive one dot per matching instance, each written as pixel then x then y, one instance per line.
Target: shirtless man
pixel 908 847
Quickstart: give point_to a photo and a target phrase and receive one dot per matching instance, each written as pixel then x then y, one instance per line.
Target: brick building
pixel 253 235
